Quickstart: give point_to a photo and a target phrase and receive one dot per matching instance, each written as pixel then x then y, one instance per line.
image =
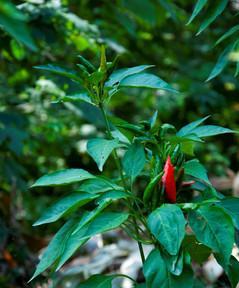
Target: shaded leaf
pixel 196 169
pixel 197 9
pixel 97 281
pixel 98 185
pixel 231 206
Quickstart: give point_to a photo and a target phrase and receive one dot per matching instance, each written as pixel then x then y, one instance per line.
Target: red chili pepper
pixel 169 181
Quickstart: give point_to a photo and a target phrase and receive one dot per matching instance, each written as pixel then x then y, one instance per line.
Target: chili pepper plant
pixel 175 209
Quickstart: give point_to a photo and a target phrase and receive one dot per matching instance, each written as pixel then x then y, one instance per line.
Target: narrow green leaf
pixel 134 160
pixel 63 177
pixel 79 97
pixel 230 32
pixel 166 222
pixel 102 223
pixel 188 129
pixel 197 9
pixel 98 281
pixel 120 74
pixel 59 71
pixel 113 195
pixel 196 169
pixel 65 206
pixel 145 80
pixel 214 228
pixel 100 150
pixel 55 248
pixel 214 11
pixel 211 130
pixel 222 61
pixel 98 185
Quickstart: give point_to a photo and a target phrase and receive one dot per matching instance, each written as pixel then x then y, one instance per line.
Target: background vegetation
pixel 38 135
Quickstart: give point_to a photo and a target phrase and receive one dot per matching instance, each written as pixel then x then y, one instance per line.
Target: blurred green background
pixel 38 136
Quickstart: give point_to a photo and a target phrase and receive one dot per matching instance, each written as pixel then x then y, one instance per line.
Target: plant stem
pixel 119 167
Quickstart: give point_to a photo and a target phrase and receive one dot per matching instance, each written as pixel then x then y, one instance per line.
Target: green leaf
pixel 222 61
pixel 13 21
pixel 98 185
pixel 157 275
pixel 195 169
pixel 98 281
pixel 188 129
pixel 214 11
pixel 55 248
pixel 63 177
pixel 79 97
pixel 198 252
pixel 232 272
pixel 120 74
pixel 214 228
pixel 175 263
pixel 59 71
pixel 64 206
pixel 100 150
pixel 145 80
pixel 197 9
pixel 166 222
pixel 113 195
pixel 230 32
pixel 86 229
pixel 134 160
pixel 211 130
pixel 231 206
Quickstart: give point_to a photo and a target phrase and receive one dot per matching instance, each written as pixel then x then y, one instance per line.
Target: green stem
pixel 119 167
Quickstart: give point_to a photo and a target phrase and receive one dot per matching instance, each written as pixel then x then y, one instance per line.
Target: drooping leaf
pixel 145 80
pixel 197 9
pixel 98 281
pixel 64 206
pixel 231 206
pixel 222 61
pixel 100 150
pixel 134 160
pixel 166 222
pixel 188 129
pixel 214 228
pixel 103 222
pixel 195 169
pixel 157 275
pixel 59 71
pixel 213 12
pixel 120 74
pixel 55 248
pixel 63 177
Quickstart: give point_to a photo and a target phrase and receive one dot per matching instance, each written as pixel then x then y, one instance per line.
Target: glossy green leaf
pixel 85 229
pixel 98 281
pixel 166 222
pixel 214 228
pixel 146 80
pixel 222 61
pixel 157 275
pixel 189 128
pixel 213 12
pixel 211 130
pixel 195 169
pixel 120 74
pixel 113 195
pixel 100 150
pixel 59 71
pixel 63 177
pixel 55 248
pixel 98 185
pixel 64 206
pixel 197 9
pixel 231 206
pixel 134 160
